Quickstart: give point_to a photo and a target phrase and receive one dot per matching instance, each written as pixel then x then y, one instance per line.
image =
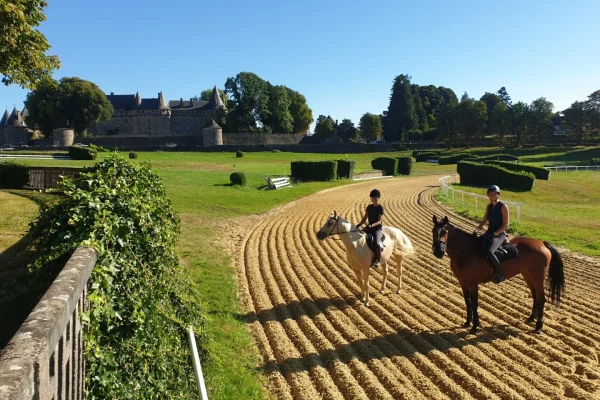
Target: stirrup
pixel 497 278
pixel 376 264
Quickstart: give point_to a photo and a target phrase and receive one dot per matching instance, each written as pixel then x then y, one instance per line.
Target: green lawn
pixel 198 186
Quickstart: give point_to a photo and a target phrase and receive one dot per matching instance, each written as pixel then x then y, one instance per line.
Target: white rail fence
pixel 449 191
pixel 571 168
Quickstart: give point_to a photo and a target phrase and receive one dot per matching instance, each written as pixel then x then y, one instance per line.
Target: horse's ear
pixel 334 214
pixel 445 221
pixel 435 219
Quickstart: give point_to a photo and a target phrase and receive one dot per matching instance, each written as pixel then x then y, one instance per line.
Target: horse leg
pixel 531 286
pixel 365 274
pixel 467 297
pixel 385 275
pixel 399 260
pixel 358 272
pixel 540 301
pixel 474 297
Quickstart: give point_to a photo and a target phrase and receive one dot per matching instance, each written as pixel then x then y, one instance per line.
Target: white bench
pixel 277 183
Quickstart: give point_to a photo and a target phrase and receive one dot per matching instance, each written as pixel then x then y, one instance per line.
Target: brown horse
pixel 535 261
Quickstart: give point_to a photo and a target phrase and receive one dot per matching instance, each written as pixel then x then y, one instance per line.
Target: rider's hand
pixel 368 226
pixel 358 227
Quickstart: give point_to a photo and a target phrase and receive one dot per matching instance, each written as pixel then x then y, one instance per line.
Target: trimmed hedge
pixel 595 161
pixel 133 155
pixel 82 153
pixel 426 155
pixel 238 178
pixel 405 165
pixel 538 172
pixel 345 169
pixel 415 153
pixel 239 154
pixel 477 174
pixel 453 159
pixel 497 157
pixel 387 164
pixel 13 175
pixel 310 171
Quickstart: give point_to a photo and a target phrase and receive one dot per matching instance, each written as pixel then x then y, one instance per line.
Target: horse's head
pixel 440 236
pixel 332 226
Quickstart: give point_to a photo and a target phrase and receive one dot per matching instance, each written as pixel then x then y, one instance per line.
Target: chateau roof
pixel 215 100
pixel 212 124
pixel 187 104
pixel 4 119
pixel 126 102
pixel 15 119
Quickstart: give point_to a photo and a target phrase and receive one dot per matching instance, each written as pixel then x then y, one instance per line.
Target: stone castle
pixel 135 116
pixel 13 129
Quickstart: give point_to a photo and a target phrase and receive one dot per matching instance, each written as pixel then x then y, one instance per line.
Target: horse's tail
pixel 402 243
pixel 556 275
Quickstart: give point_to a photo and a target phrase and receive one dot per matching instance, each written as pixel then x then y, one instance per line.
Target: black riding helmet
pixel 493 188
pixel 375 193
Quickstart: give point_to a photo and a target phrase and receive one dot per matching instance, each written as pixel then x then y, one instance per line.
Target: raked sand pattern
pixel 317 340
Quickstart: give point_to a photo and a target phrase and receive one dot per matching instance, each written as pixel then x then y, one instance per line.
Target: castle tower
pixel 15 130
pixel 138 99
pixel 215 100
pixel 3 122
pixel 212 134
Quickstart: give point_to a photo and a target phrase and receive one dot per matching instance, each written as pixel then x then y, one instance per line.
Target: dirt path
pixel 318 341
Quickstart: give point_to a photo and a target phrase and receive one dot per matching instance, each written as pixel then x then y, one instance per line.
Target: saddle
pixel 371 242
pixel 506 252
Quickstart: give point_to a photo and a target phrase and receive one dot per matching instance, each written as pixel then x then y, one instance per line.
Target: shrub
pixel 239 154
pixel 453 159
pixel 82 153
pixel 140 298
pixel 13 175
pixel 345 169
pixel 417 152
pixel 133 155
pixel 307 171
pixel 238 178
pixel 497 157
pixel 595 161
pixel 538 172
pixel 387 164
pixel 426 155
pixel 476 174
pixel 405 165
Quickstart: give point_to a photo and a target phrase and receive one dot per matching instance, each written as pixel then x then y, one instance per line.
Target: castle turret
pixel 138 99
pixel 15 119
pixel 215 100
pixel 4 119
pixel 162 103
pixel 212 134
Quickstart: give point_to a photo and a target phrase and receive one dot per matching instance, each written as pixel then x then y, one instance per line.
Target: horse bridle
pixel 338 233
pixel 445 243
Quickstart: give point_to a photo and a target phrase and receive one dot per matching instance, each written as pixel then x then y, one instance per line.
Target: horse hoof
pixel 473 330
pixel 467 324
pixel 538 331
pixel 529 320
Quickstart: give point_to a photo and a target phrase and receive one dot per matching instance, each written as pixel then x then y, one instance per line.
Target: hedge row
pixel 427 155
pixel 417 152
pixel 595 161
pixel 82 153
pixel 453 159
pixel 13 175
pixel 405 165
pixel 388 165
pixel 498 157
pixel 538 172
pixel 345 169
pixel 308 171
pixel 476 174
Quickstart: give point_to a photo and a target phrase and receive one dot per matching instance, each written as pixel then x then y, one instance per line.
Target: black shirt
pixel 373 213
pixel 495 220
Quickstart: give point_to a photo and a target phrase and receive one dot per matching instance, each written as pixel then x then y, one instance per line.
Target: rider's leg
pixel 494 245
pixel 377 236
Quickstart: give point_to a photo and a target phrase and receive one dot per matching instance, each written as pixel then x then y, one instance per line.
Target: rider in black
pixel 496 213
pixel 374 213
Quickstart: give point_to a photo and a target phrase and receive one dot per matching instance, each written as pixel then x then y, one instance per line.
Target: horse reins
pixel 454 251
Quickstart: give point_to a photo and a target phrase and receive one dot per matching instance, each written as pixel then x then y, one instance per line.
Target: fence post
pixel 452 195
pixel 462 199
pixel 476 210
pixel 197 366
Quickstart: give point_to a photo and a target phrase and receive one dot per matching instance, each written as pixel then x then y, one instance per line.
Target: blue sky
pixel 342 55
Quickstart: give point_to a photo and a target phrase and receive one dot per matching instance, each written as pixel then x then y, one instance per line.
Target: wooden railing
pixel 49 177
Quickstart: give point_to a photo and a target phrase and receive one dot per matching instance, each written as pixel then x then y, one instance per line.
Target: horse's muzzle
pixel 321 235
pixel 439 249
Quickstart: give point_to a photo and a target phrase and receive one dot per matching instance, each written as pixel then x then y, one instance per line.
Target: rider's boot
pixel 377 257
pixel 498 275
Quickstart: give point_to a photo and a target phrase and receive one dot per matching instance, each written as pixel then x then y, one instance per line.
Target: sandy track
pixel 318 341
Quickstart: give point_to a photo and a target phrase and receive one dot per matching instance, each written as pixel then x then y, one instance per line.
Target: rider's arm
pixel 379 221
pixel 483 221
pixel 504 221
pixel 362 221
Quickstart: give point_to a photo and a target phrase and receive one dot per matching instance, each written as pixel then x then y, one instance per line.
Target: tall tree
pixel 401 116
pixel 464 97
pixel 79 102
pixel 448 124
pixel 592 105
pixel 346 130
pixel 491 100
pixel 471 117
pixel 499 121
pixel 205 95
pixel 540 118
pixel 250 95
pixel 577 120
pixel 23 58
pixel 279 118
pixel 448 95
pixel 300 111
pixel 432 101
pixel 370 126
pixel 504 96
pixel 324 127
pixel 422 123
pixel 517 119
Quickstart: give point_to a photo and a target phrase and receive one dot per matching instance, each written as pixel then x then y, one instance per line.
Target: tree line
pixel 435 113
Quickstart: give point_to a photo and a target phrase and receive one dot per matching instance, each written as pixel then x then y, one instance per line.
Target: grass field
pixel 566 208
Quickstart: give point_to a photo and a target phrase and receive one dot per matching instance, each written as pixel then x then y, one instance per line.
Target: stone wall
pixel 15 135
pixel 235 139
pixel 63 137
pixel 44 359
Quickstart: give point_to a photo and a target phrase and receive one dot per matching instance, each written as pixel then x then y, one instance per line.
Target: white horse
pixel 360 256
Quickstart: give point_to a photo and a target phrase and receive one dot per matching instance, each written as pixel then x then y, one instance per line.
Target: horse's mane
pixel 461 232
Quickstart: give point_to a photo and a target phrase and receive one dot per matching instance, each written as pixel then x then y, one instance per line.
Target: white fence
pixel 571 168
pixel 449 191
